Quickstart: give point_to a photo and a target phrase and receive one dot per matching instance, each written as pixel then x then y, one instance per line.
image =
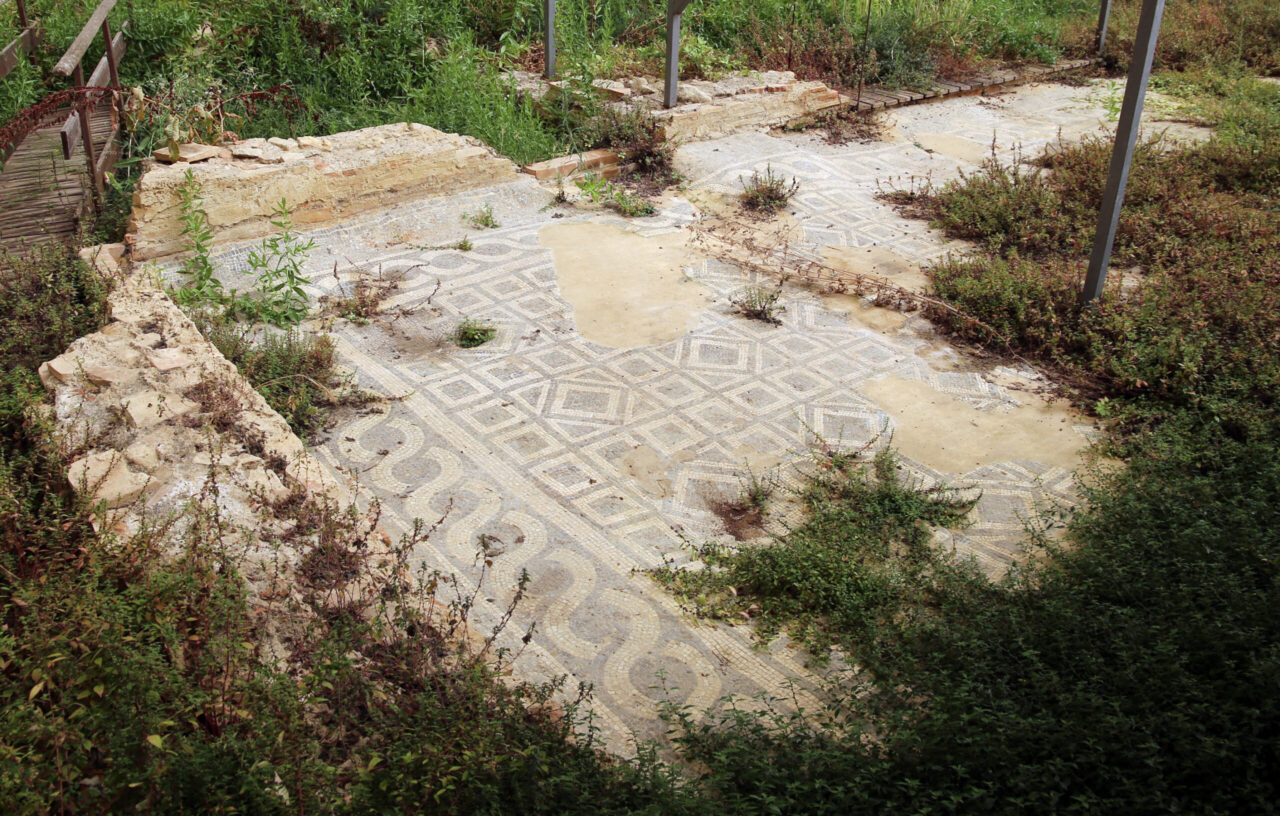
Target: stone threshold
pixel 608 164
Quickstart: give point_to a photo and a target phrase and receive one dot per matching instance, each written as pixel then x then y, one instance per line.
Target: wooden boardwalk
pixel 42 195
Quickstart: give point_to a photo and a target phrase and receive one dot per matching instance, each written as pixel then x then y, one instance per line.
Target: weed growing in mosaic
pixel 296 372
pixel 482 218
pixel 602 191
pixel 760 302
pixel 862 558
pixel 471 333
pixel 276 265
pixel 767 192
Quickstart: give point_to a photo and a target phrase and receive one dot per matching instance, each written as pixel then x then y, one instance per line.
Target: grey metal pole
pixel 549 39
pixel 1144 52
pixel 1103 15
pixel 671 80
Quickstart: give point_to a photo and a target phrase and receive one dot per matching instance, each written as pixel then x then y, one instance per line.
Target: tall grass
pixel 352 63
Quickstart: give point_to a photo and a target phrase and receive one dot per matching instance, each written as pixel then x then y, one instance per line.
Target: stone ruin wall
pixel 323 181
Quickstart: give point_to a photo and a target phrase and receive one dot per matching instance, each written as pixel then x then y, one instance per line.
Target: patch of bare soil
pixel 741 520
pixel 950 435
pixel 626 290
pixel 650 470
pixel 879 262
pixel 954 147
pixel 876 318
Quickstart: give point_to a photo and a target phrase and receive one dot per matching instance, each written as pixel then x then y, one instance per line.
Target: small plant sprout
pixel 767 192
pixel 471 333
pixel 758 490
pixel 759 302
pixel 482 218
pixel 615 198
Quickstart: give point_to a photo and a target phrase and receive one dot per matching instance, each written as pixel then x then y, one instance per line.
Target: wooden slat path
pixel 43 195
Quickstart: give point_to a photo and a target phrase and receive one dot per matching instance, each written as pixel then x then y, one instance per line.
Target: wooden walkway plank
pixel 43 194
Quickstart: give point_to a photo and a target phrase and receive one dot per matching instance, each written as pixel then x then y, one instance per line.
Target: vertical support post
pixel 1135 91
pixel 84 108
pixel 549 39
pixel 1104 14
pixel 671 79
pixel 111 55
pixel 25 23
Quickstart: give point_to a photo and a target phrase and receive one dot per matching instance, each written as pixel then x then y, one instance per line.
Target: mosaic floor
pixel 586 464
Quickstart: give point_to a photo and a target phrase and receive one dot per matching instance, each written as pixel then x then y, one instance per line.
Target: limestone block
pixel 641 86
pixel 143 454
pixel 105 477
pixel 107 257
pixel 364 170
pixel 117 331
pixel 151 407
pixel 690 93
pixel 167 359
pixel 108 375
pixel 744 111
pixel 612 89
pixel 265 483
pixel 189 153
pixel 62 368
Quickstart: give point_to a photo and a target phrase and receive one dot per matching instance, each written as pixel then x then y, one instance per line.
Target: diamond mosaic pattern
pixel 532 438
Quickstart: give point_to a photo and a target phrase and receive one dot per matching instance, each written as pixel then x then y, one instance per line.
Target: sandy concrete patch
pixel 626 290
pixel 955 147
pixel 650 469
pixel 757 462
pixel 952 436
pixel 879 262
pixel 885 321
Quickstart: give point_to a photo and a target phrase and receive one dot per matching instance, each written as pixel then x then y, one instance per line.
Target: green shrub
pixel 1197 242
pixel 1129 670
pixel 48 298
pixel 862 559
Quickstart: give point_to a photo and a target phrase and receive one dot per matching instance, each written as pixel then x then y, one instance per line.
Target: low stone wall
pixel 605 163
pixel 166 430
pixel 153 410
pixel 323 180
pixel 756 107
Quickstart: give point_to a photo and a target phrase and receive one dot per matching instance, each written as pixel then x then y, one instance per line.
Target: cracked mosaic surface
pixel 529 438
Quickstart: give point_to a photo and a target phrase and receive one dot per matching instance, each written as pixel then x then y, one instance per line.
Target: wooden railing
pixel 11 55
pixel 24 43
pixel 77 129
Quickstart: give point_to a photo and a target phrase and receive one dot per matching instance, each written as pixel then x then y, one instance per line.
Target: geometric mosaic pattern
pixel 525 438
